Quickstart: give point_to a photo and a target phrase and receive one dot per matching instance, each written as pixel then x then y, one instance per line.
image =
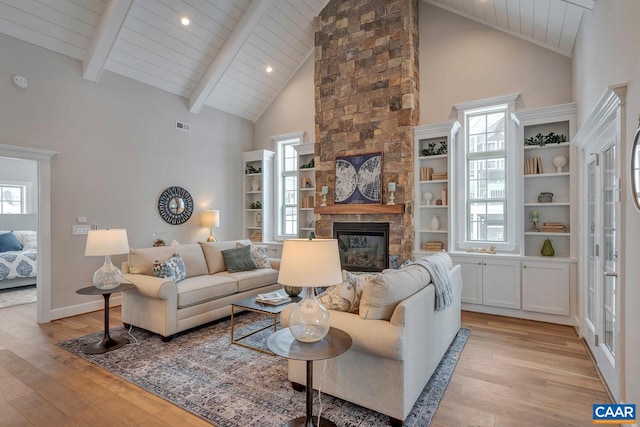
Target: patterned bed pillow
pixel 173 269
pixel 28 238
pixel 259 254
pixel 346 295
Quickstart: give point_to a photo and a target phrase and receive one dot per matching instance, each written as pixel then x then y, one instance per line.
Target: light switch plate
pixel 80 230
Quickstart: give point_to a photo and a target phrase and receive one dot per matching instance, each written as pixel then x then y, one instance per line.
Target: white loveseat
pixel 390 361
pixel 165 307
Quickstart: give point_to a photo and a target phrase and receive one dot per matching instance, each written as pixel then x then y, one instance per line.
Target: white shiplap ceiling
pixel 552 24
pixel 219 60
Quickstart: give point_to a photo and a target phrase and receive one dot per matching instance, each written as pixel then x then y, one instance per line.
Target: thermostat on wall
pixel 20 82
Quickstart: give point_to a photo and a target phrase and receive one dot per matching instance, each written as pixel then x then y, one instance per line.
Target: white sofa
pixel 165 307
pixel 390 361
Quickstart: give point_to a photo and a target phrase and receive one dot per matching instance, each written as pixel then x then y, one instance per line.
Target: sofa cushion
pixel 196 290
pixel 141 260
pixel 381 297
pixel 239 259
pixel 252 279
pixel 346 295
pixel 9 242
pixel 173 269
pixel 213 253
pixel 259 254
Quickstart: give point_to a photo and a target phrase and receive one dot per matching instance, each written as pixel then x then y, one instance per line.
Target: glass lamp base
pixel 309 320
pixel 108 276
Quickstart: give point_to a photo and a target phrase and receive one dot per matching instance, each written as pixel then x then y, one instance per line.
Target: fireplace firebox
pixel 364 246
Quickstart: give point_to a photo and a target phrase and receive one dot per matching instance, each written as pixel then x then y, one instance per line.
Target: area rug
pixel 232 386
pixel 18 296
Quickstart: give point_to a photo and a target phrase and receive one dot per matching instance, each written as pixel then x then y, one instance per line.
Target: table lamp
pixel 309 263
pixel 210 219
pixel 106 243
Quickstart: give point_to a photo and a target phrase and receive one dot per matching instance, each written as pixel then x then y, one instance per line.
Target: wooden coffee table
pixel 250 304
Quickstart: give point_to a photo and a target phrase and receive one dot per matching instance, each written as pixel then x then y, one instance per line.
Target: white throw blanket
pixel 438 266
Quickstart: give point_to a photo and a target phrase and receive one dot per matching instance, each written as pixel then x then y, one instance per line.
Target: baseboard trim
pixel 88 307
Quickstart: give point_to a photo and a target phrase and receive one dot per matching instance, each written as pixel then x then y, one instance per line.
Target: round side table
pixel 106 343
pixel 334 344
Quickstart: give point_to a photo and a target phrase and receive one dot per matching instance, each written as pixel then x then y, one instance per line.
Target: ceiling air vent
pixel 183 126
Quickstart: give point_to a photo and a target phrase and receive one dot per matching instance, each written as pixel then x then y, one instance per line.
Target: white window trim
pixel 28 194
pixel 511 245
pixel 277 208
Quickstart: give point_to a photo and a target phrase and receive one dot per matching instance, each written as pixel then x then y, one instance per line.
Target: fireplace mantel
pixel 358 209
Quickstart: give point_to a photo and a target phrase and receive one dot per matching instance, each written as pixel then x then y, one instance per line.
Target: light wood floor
pixel 511 373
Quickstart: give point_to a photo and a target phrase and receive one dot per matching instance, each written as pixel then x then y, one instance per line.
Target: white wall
pixel 606 54
pixel 462 60
pixel 117 151
pixel 18 171
pixel 293 110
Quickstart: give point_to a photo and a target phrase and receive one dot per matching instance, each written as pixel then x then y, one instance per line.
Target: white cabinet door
pixel 545 288
pixel 471 280
pixel 501 283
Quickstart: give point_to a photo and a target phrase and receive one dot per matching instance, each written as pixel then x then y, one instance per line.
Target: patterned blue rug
pixel 232 386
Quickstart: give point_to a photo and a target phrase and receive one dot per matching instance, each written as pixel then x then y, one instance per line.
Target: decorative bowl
pixel 545 197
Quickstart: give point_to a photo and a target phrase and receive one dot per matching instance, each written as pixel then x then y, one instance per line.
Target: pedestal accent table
pixel 106 343
pixel 334 344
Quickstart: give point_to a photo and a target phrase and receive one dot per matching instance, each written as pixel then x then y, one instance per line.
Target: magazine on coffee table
pixel 272 298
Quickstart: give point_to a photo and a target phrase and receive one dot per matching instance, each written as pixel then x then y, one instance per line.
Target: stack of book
pixel 552 227
pixel 425 174
pixel 272 298
pixel 256 236
pixel 532 165
pixel 307 202
pixel 433 246
pixel 436 176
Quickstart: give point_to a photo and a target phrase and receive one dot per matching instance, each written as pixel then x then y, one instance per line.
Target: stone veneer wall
pixel 366 95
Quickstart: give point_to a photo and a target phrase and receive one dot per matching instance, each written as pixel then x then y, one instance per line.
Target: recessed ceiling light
pixel 184 20
pixel 269 68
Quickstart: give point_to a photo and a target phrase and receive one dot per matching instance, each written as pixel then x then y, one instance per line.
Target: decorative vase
pixel 426 198
pixel 292 291
pixel 547 248
pixel 559 162
pixel 435 223
pixel 258 219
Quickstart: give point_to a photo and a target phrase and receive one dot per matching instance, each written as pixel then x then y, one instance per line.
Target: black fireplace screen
pixel 364 246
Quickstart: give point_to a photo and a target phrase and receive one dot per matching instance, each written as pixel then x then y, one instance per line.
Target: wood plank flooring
pixel 511 373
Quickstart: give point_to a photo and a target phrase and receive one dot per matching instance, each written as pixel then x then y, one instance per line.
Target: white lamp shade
pixel 210 218
pixel 107 242
pixel 310 263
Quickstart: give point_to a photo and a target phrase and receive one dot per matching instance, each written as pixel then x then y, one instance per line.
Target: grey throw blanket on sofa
pixel 438 266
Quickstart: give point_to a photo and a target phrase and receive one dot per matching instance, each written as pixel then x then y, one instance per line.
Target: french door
pixel 603 249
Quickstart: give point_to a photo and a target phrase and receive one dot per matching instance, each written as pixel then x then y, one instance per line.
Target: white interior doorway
pixel 43 158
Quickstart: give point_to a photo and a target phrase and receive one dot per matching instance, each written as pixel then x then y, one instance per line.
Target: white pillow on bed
pixel 28 238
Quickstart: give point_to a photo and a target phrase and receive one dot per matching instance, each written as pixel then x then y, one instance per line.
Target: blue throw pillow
pixel 173 269
pixel 9 242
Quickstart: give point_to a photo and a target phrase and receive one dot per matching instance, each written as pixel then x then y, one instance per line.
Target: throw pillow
pixel 9 242
pixel 346 295
pixel 173 269
pixel 239 259
pixel 259 254
pixel 380 298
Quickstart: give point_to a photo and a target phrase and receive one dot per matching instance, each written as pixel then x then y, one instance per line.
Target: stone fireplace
pixel 366 101
pixel 364 246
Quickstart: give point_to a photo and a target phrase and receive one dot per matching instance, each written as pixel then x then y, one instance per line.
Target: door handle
pixel 610 273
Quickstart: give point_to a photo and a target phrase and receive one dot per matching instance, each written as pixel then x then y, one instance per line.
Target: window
pixel 489 202
pixel 287 184
pixel 12 199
